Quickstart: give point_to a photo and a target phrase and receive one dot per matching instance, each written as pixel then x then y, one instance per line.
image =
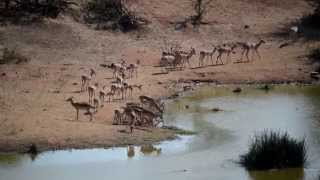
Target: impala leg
pixel 217 59
pixel 77 114
pixel 252 55
pixel 228 58
pixel 258 54
pixel 242 53
pixel 247 55
pixel 221 58
pixel 200 61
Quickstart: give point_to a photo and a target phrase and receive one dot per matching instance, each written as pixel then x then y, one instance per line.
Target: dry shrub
pixel 111 15
pixel 12 57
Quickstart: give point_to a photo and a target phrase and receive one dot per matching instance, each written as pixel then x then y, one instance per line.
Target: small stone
pixel 237 90
pixel 216 109
pixel 33 149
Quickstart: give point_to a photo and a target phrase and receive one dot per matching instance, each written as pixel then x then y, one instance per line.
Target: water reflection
pixel 222 137
pixel 130 151
pixel 9 159
pixel 145 150
pixel 150 150
pixel 288 174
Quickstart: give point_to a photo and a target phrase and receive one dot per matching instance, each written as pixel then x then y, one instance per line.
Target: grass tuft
pixel 274 150
pixel 12 57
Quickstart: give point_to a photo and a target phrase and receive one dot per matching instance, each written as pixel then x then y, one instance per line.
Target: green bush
pixel 17 11
pixel 12 57
pixel 314 55
pixel 273 150
pixel 111 14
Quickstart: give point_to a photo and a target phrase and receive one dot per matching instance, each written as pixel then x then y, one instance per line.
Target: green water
pixel 210 154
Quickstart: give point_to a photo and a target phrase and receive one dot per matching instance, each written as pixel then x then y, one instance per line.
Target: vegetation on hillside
pixel 25 11
pixel 12 57
pixel 111 14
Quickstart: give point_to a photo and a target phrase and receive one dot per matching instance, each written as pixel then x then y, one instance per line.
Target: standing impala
pixel 247 47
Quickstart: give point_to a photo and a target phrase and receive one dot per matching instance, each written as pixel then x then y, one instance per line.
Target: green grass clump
pixel 274 150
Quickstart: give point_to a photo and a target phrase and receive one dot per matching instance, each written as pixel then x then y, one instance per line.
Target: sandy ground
pixel 32 96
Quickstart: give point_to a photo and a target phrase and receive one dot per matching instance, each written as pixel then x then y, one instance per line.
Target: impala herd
pixel 175 58
pixel 148 112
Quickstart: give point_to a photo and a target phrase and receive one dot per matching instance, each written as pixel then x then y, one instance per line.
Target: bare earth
pixel 32 96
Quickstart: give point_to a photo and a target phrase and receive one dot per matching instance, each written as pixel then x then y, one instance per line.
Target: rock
pixel 294 29
pixel 106 26
pixel 314 75
pixel 187 88
pixel 265 87
pixel 237 90
pixel 173 96
pixel 33 149
pixel 180 26
pixel 284 45
pixel 104 65
pixel 56 91
pixel 216 109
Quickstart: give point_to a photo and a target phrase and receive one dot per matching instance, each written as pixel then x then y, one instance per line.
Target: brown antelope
pixel 117 117
pixel 81 106
pixel 187 56
pixel 132 68
pixel 85 79
pixel 206 54
pixel 150 102
pixel 118 89
pixel 110 95
pixel 91 91
pixel 102 95
pixel 93 72
pixel 96 104
pixel 117 68
pixel 225 49
pixel 247 47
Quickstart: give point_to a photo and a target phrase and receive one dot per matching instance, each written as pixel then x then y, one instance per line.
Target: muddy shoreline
pixel 156 135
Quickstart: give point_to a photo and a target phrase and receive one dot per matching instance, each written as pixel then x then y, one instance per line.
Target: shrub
pixel 12 57
pixel 309 25
pixel 18 11
pixel 314 55
pixel 312 20
pixel 111 14
pixel 200 7
pixel 272 150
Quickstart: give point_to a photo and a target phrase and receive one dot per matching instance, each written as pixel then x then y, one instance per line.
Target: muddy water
pixel 211 154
